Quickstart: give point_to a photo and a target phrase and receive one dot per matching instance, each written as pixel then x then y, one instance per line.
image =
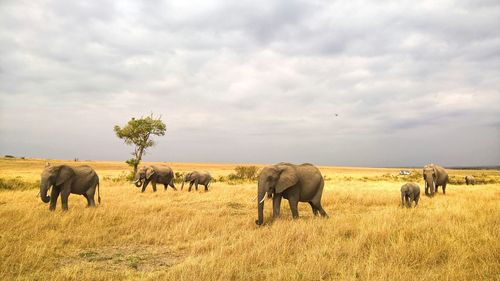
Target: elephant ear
pixel 149 172
pixel 65 174
pixel 288 178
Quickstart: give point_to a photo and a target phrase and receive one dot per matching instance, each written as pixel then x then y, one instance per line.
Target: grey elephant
pixel 154 174
pixel 410 192
pixel 196 177
pixel 63 179
pixel 434 176
pixel 296 183
pixel 470 180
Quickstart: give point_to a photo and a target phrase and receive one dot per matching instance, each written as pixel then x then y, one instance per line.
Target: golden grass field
pixel 171 235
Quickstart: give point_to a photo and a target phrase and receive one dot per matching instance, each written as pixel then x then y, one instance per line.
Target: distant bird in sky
pixel 336 115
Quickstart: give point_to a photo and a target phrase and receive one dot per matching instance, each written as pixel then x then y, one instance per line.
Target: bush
pixel 244 173
pixel 9 156
pixel 178 177
pixel 17 184
pixel 123 177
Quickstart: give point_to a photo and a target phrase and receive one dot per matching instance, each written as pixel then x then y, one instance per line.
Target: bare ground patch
pixel 143 258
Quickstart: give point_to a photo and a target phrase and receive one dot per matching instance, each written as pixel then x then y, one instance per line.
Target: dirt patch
pixel 141 258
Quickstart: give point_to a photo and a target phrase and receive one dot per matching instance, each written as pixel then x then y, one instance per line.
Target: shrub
pixel 178 177
pixel 244 173
pixel 123 177
pixel 9 156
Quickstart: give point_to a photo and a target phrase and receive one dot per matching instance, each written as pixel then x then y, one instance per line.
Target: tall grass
pixel 171 235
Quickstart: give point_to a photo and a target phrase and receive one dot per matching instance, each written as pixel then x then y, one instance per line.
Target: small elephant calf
pixel 470 180
pixel 410 192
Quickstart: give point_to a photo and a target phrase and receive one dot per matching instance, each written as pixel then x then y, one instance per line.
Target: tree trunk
pixel 135 168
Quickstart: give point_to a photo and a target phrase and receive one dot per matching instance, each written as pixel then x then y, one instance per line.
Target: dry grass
pixel 212 236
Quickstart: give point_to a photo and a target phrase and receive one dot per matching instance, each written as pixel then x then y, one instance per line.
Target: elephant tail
pixel 98 195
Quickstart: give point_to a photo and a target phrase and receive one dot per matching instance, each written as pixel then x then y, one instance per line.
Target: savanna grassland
pixel 212 235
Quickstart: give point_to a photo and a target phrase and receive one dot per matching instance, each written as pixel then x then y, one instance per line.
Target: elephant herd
pixel 83 180
pixel 295 183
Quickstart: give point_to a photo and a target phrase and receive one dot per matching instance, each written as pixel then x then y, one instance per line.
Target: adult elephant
pixel 63 179
pixel 296 183
pixel 196 177
pixel 470 180
pixel 154 174
pixel 434 176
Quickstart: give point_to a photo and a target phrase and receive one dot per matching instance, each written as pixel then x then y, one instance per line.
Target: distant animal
pixel 296 183
pixel 154 174
pixel 410 192
pixel 404 173
pixel 63 179
pixel 434 176
pixel 196 177
pixel 470 180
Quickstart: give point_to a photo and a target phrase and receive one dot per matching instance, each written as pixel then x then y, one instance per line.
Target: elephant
pixel 154 174
pixel 66 179
pixel 434 176
pixel 410 192
pixel 470 180
pixel 296 183
pixel 196 178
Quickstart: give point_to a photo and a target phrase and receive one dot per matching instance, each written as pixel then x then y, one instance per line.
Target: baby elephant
pixel 410 192
pixel 470 180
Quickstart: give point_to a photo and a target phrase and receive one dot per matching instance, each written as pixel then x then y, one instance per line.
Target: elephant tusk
pixel 263 198
pixel 138 183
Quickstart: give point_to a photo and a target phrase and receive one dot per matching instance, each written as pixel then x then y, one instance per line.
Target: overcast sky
pixel 395 83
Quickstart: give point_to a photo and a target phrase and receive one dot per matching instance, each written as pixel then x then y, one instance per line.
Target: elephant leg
pixel 315 211
pixel 54 194
pixel 87 197
pixel 410 200
pixel 190 185
pixel 294 207
pixel 64 198
pixel 153 183
pixel 144 185
pixel 416 201
pixel 206 187
pixel 402 200
pixel 320 209
pixel 165 187
pixel 172 185
pixel 444 188
pixel 90 197
pixel 196 184
pixel 276 205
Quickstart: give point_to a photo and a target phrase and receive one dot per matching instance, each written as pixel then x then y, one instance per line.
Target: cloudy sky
pixel 328 82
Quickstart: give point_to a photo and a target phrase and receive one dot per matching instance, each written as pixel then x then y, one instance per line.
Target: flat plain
pixel 198 235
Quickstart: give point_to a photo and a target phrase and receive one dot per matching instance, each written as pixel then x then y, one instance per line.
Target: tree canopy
pixel 138 132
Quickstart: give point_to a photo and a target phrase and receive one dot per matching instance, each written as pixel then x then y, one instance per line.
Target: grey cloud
pixel 254 81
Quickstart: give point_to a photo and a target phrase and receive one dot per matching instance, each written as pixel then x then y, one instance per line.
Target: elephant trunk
pixel 261 196
pixel 44 187
pixel 138 183
pixel 260 206
pixel 429 181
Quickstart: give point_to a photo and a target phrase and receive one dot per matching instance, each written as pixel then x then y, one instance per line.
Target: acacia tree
pixel 138 132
